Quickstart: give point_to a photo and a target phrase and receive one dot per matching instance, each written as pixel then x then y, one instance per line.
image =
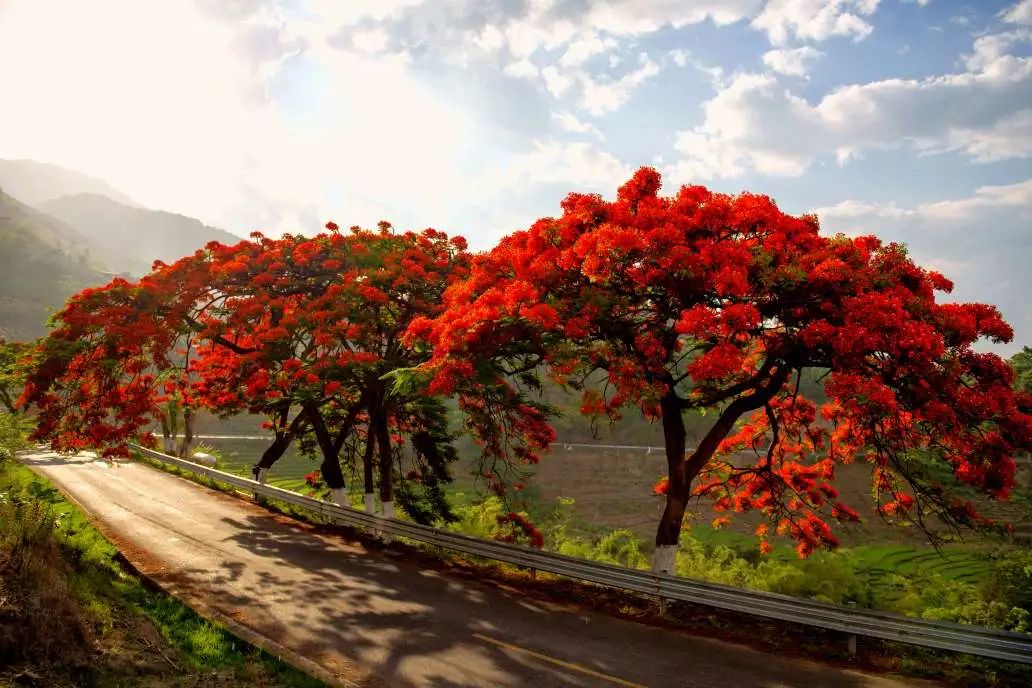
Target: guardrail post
pixel 261 475
pixel 851 638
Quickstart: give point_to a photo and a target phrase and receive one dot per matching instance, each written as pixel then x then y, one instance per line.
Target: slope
pixel 43 261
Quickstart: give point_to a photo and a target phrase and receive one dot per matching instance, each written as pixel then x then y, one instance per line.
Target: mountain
pixel 129 238
pixel 43 261
pixel 34 182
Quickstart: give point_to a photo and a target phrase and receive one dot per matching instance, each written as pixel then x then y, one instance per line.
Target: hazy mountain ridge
pixel 130 238
pixel 33 182
pixel 61 231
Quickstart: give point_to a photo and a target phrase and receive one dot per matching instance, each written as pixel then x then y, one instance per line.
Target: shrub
pixel 40 620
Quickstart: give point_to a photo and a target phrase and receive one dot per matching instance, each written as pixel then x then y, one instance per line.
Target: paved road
pixel 381 620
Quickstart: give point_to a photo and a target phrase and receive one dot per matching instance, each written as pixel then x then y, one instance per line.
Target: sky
pixel 908 119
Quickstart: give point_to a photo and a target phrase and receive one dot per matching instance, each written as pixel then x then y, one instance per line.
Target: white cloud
pixel 1010 137
pixel 815 20
pixel 567 121
pixel 1020 13
pixel 583 49
pixel 989 48
pixel 558 82
pixel 1017 196
pixel 791 61
pixel 635 17
pixel 372 41
pixel 755 123
pixel 603 96
pixel 522 69
pixel 579 164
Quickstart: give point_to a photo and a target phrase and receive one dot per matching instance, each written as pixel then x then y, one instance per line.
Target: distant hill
pixel 34 182
pixel 130 238
pixel 43 261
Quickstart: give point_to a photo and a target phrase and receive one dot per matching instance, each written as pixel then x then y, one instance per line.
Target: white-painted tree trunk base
pixel 340 496
pixel 263 475
pixel 388 512
pixel 664 559
pixel 370 502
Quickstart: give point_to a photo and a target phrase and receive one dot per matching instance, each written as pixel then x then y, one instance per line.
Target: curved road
pixel 372 618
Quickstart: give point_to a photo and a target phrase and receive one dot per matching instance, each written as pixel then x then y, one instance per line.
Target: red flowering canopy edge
pixel 709 301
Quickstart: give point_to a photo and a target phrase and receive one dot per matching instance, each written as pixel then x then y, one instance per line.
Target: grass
pixel 136 636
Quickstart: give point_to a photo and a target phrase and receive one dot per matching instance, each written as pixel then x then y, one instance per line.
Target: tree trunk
pixel 167 441
pixel 330 466
pixel 273 453
pixel 280 444
pixel 367 467
pixel 679 485
pixel 683 469
pixel 186 446
pixel 383 443
pixel 331 472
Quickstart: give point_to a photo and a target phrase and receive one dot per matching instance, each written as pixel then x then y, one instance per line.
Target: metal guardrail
pixel 555 445
pixel 975 640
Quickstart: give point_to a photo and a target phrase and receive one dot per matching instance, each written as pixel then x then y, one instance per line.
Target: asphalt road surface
pixel 374 618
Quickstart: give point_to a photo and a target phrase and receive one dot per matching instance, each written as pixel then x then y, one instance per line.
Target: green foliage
pixel 1022 364
pixel 13 433
pixel 12 373
pixel 479 519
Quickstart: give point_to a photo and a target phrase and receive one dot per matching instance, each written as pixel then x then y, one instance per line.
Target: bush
pixel 13 436
pixel 40 620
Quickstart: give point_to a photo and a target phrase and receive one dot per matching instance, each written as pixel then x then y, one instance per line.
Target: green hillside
pixel 43 261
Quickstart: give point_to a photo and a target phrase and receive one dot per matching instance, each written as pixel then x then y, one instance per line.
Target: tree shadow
pixel 414 626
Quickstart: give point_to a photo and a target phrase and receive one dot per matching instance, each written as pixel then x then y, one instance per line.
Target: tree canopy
pixel 302 330
pixel 709 301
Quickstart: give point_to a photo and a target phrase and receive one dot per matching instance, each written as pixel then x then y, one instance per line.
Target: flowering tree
pixel 716 302
pixel 315 326
pixel 302 330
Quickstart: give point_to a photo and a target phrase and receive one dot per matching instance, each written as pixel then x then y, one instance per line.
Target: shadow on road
pixel 418 627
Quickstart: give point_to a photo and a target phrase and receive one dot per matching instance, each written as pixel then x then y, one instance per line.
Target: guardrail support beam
pixel 851 638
